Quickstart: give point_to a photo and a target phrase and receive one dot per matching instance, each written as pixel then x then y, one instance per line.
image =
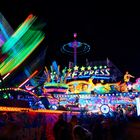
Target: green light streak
pixel 18 34
pixel 24 41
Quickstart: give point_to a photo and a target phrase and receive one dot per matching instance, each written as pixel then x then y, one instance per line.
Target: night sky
pixel 112 30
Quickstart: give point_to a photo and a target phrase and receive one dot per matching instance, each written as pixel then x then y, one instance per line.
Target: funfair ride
pixel 92 88
pixel 98 87
pixel 15 71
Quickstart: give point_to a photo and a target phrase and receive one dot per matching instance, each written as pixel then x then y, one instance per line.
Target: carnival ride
pixel 19 62
pixel 16 46
pixel 96 88
pixel 91 88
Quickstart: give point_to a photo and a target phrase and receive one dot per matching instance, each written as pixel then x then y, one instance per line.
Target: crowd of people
pixel 97 127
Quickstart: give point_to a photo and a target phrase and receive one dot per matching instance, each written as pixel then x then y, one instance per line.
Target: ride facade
pixel 97 87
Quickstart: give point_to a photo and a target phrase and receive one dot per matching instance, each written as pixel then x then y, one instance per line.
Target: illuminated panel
pixel 80 86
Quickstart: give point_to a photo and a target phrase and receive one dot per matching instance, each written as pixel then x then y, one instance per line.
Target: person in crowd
pixel 73 121
pixel 61 129
pixel 80 133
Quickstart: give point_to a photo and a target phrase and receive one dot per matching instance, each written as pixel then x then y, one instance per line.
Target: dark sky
pixel 111 29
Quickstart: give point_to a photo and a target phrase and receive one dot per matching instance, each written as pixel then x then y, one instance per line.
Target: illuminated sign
pixel 89 72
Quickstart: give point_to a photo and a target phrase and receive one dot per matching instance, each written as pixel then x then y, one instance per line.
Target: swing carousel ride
pixel 97 87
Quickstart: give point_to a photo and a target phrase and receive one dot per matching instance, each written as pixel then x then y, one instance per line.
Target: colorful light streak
pixel 6 32
pixel 24 41
pixel 6 76
pixel 6 29
pixel 18 34
pixel 31 76
pixel 26 71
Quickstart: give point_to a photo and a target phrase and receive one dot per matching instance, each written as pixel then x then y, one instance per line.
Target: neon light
pixel 102 73
pixel 28 78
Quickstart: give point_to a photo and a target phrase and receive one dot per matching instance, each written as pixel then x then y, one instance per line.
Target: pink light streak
pixel 32 75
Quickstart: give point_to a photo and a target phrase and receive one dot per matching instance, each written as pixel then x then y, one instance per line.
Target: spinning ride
pixel 75 47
